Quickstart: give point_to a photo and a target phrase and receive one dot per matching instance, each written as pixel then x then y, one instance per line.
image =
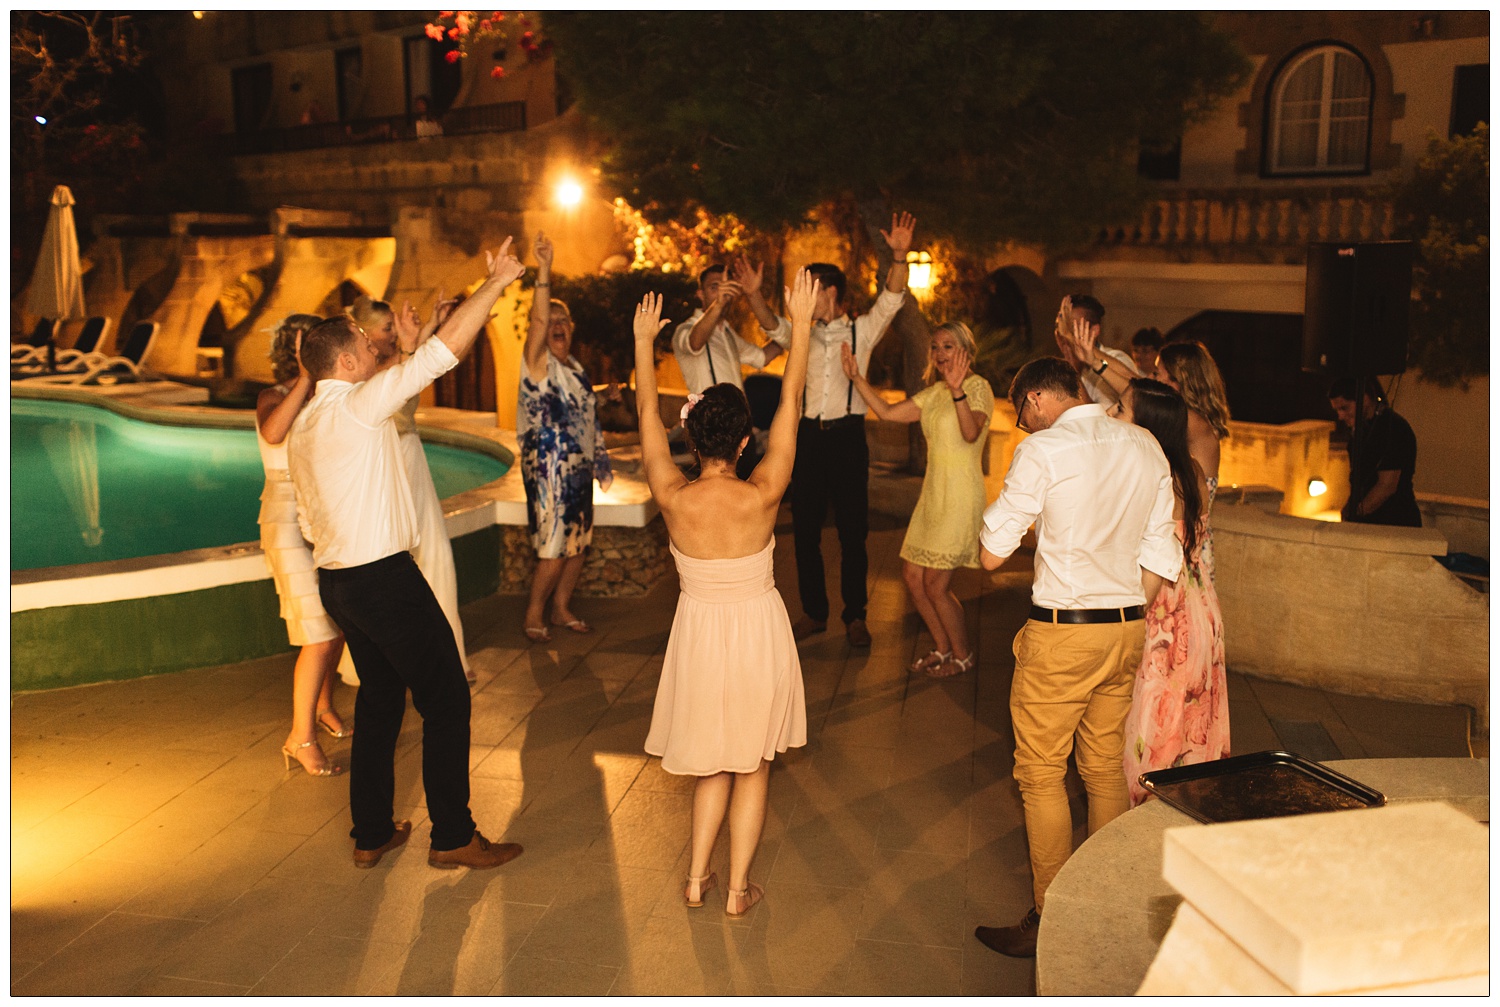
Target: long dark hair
pixel 1160 410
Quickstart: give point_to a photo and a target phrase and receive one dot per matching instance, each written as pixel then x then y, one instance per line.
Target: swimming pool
pixel 89 485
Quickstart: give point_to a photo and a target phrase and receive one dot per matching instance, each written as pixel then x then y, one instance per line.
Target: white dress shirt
pixel 829 395
pixel 718 360
pixel 1102 391
pixel 1100 493
pixel 354 499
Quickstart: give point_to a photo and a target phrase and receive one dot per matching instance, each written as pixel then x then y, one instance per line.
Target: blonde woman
pixel 395 338
pixel 291 561
pixel 954 410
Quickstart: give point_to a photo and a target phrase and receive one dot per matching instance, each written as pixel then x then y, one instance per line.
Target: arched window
pixel 1320 113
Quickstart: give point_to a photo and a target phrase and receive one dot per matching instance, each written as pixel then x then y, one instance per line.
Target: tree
pixel 990 126
pixel 1444 205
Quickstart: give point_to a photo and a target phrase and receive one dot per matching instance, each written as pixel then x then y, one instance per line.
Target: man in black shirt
pixel 1382 457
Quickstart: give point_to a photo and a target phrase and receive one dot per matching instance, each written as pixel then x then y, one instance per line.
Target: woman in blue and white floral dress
pixel 562 453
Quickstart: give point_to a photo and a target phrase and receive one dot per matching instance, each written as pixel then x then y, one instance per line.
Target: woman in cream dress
pixel 730 695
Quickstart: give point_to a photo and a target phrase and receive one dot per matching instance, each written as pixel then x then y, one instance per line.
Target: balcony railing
pixel 505 117
pixel 1258 218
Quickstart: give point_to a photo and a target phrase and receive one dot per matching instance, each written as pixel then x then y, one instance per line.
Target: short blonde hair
pixel 369 313
pixel 962 336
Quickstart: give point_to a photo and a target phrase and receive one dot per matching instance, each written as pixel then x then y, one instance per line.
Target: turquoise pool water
pixel 89 485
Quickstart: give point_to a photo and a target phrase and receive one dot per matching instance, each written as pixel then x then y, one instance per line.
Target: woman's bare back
pixel 719 517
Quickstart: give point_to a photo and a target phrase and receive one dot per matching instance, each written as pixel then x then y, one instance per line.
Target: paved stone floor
pixel 159 848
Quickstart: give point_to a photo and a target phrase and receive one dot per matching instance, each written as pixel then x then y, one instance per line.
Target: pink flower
pixel 452 56
pixel 687 407
pixel 497 72
pixel 435 32
pixel 1196 720
pixel 484 25
pixel 462 22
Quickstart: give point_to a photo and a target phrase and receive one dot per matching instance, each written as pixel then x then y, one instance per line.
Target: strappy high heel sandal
pixel 289 753
pixel 958 664
pixel 344 732
pixel 745 898
pixel 934 659
pixel 697 888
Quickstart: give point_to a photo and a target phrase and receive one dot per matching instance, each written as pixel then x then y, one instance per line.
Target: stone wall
pixel 622 563
pixel 1356 609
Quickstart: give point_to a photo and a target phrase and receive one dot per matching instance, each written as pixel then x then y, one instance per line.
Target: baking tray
pixel 1259 785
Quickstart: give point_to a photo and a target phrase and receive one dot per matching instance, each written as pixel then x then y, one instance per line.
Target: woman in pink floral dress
pixel 1180 712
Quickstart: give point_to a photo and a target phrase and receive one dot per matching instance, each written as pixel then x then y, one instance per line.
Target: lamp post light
pixel 569 194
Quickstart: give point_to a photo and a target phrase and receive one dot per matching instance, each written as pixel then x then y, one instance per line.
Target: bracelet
pixel 541 284
pixel 962 397
pixel 1103 366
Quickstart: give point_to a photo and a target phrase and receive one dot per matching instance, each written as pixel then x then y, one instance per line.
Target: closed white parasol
pixel 57 284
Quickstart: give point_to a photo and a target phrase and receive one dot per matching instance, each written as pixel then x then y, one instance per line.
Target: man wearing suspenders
pixel 833 459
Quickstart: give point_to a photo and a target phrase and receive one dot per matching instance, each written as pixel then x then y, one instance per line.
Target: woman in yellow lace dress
pixel 943 535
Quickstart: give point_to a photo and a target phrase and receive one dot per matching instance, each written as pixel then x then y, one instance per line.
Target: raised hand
pixel 541 247
pixel 956 369
pixel 648 320
pixel 442 309
pixel 503 266
pixel 408 325
pixel 801 297
pixel 748 278
pixel 851 366
pixel 1085 337
pixel 728 291
pixel 900 234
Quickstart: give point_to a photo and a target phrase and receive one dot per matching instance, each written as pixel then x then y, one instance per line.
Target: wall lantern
pixel 919 270
pixel 569 193
pixel 1316 487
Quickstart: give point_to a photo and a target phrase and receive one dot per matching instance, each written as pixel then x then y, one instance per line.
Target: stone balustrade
pixel 1256 218
pixel 1358 609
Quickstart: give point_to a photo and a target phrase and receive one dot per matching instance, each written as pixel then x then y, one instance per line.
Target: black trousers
pixel 833 466
pixel 400 640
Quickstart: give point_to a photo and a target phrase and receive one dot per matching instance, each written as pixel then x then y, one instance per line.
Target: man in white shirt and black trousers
pixel 355 506
pixel 707 348
pixel 833 458
pixel 1100 494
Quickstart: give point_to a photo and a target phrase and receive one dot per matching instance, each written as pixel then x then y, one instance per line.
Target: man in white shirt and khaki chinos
pixel 355 506
pixel 1100 494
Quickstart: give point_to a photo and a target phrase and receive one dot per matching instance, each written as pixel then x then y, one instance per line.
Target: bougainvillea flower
pixel 435 31
pixel 452 56
pixel 497 72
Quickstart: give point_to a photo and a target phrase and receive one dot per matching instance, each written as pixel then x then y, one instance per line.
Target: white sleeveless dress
pixel 287 554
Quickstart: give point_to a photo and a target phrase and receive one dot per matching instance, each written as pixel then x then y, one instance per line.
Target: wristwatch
pixel 1103 366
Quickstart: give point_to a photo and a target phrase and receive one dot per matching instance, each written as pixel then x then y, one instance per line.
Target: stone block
pixel 1380 538
pixel 1344 901
pixel 1197 959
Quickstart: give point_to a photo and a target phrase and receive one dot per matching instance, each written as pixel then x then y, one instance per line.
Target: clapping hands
pixel 746 277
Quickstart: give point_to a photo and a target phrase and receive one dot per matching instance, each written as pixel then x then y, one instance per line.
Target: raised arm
pixel 970 421
pixel 899 239
pixel 749 279
pixel 712 315
pixel 468 319
pixel 1084 340
pixel 274 412
pixel 775 470
pixel 662 474
pixel 533 354
pixel 905 411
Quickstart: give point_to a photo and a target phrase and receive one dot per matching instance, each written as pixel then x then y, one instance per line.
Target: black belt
pixel 1085 615
pixel 842 421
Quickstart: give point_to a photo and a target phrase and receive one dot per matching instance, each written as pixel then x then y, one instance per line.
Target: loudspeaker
pixel 1358 302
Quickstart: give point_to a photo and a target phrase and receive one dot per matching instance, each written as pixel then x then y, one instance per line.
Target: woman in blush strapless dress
pixel 730 696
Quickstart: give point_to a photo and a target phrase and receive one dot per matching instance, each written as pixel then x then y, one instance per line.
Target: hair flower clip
pixel 687 406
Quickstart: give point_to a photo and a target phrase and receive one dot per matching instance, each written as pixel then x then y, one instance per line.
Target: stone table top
pixel 1109 908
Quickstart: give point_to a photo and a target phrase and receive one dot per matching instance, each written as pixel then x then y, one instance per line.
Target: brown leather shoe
pixel 858 633
pixel 369 858
pixel 479 854
pixel 1018 941
pixel 806 627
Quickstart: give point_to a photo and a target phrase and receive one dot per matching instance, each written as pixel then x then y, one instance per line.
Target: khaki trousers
pixel 1070 680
